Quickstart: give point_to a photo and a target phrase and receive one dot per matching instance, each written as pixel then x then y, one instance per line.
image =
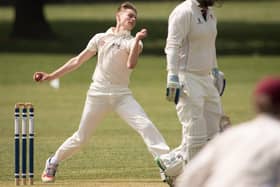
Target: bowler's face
pixel 127 19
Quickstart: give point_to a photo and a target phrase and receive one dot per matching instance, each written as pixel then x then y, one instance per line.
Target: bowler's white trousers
pixel 96 108
pixel 199 110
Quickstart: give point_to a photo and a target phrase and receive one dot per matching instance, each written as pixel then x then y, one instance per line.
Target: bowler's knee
pixel 79 138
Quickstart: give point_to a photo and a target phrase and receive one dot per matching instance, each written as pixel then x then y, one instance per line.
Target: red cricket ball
pixel 38 76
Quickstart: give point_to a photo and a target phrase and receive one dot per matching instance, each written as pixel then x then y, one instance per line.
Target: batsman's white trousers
pixel 96 108
pixel 199 110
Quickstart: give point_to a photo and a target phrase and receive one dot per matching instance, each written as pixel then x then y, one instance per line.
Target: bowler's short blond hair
pixel 127 5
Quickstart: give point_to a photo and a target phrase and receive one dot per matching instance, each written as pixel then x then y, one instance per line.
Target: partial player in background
pixel 194 81
pixel 247 155
pixel 118 52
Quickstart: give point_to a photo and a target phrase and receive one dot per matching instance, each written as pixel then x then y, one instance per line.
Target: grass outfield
pixel 116 156
pixel 115 151
pixel 96 183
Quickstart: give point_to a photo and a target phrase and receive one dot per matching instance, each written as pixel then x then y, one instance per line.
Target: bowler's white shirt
pixel 245 156
pixel 111 75
pixel 190 44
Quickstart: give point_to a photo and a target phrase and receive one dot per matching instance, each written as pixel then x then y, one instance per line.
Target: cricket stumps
pixel 24 121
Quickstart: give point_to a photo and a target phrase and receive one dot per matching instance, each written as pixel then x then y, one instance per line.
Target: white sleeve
pixel 215 64
pixel 178 28
pixel 93 43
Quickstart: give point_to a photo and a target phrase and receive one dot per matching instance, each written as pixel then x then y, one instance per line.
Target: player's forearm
pixel 71 65
pixel 134 54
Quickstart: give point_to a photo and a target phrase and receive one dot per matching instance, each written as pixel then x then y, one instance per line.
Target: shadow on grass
pixel 233 38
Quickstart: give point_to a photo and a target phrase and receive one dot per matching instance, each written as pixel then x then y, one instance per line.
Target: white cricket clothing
pixel 244 156
pixel 199 111
pixel 111 74
pixel 193 38
pixel 95 110
pixel 109 92
pixel 191 54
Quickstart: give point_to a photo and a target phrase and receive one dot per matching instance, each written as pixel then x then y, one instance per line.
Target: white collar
pixel 123 32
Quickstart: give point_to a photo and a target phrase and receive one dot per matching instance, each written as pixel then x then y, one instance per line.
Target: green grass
pixel 116 154
pixel 96 183
pixel 115 150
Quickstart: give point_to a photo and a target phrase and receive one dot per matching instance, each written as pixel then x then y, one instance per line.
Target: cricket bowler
pixel 117 52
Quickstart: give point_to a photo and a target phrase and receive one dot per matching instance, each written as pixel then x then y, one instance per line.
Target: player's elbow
pixel 131 63
pixel 77 61
pixel 131 66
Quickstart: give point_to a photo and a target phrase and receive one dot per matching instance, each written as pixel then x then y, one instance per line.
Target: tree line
pixel 30 21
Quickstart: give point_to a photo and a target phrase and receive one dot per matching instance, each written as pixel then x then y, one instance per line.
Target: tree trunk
pixel 30 21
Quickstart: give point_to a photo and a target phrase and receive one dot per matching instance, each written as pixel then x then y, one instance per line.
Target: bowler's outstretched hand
pixel 40 76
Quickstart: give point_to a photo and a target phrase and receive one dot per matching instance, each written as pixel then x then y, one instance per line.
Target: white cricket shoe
pixel 170 164
pixel 48 175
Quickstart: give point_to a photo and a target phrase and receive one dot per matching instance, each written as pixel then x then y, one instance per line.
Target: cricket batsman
pixel 194 82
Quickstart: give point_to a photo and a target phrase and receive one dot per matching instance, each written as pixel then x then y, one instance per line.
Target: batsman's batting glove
pixel 215 73
pixel 173 88
pixel 219 80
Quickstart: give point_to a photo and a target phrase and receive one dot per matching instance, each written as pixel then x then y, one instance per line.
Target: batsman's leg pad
pixel 175 168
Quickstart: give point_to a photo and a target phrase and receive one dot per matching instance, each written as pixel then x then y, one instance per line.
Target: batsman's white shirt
pixel 109 92
pixel 193 38
pixel 245 156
